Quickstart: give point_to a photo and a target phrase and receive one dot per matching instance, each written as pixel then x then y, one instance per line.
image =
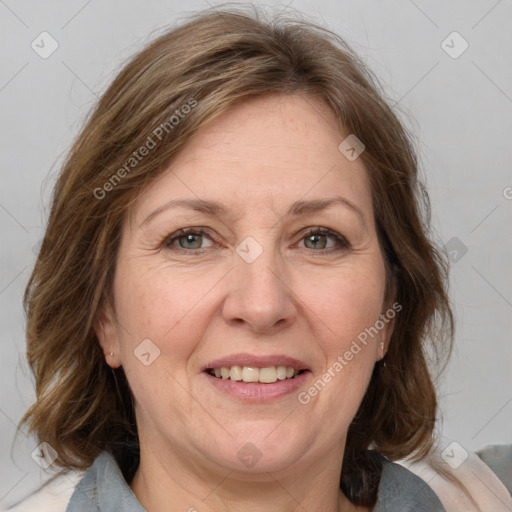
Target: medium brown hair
pixel 216 58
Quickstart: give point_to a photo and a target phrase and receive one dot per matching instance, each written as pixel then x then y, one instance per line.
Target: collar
pixel 104 489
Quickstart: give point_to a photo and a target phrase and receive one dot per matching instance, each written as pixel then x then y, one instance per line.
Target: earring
pixel 111 354
pixel 383 355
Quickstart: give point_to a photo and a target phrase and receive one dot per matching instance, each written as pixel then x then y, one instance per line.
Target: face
pixel 274 263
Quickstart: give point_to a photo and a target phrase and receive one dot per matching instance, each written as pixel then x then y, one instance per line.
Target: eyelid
pixel 341 240
pixel 195 230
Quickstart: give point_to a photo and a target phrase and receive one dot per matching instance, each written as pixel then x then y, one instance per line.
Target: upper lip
pixel 257 361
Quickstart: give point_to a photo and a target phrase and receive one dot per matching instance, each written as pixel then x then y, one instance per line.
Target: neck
pixel 169 483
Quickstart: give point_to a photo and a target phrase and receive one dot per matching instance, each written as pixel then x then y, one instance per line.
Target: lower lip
pixel 256 391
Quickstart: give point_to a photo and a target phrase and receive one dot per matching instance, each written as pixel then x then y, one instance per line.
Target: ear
pixel 385 336
pixel 390 309
pixel 387 317
pixel 106 332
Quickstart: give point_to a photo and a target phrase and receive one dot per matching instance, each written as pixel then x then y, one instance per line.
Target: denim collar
pixel 104 489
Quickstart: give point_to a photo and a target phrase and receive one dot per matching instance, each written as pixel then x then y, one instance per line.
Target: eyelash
pixel 342 242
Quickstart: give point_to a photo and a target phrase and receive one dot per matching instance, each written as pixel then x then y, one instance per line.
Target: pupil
pixel 190 240
pixel 315 239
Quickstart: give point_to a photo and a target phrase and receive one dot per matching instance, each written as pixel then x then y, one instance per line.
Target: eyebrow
pixel 216 209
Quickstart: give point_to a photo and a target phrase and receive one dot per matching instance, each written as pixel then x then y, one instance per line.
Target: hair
pixel 211 61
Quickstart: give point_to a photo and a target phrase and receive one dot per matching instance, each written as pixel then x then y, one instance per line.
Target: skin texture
pixel 305 300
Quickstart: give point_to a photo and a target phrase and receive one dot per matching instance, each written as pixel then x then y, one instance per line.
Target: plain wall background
pixel 459 108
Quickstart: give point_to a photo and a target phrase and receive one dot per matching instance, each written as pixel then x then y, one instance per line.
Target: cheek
pixel 339 310
pixel 350 310
pixel 345 303
pixel 168 307
pixel 173 314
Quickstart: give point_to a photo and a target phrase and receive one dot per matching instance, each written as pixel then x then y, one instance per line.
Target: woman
pixel 235 295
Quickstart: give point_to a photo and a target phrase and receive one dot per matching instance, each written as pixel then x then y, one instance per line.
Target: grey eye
pixel 191 241
pixel 318 241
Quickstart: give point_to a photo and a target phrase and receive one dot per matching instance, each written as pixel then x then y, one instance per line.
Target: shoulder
pixel 499 458
pixel 103 488
pixel 53 496
pixel 402 489
pixel 76 491
pixel 420 484
pixel 452 462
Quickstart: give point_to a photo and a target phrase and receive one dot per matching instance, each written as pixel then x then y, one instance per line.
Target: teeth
pixel 281 372
pixel 266 375
pixel 236 373
pixel 250 374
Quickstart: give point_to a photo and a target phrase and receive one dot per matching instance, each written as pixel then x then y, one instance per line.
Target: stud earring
pixel 111 354
pixel 383 355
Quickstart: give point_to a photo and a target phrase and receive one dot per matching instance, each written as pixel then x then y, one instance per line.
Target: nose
pixel 259 297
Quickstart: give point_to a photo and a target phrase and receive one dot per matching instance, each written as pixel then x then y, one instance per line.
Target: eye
pixel 188 239
pixel 191 240
pixel 317 239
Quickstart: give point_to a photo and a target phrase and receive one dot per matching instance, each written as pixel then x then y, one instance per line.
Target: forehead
pixel 263 153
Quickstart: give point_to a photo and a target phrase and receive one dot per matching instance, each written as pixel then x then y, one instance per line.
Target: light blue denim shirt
pixel 104 489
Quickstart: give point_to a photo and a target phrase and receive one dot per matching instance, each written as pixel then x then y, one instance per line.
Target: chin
pixel 255 451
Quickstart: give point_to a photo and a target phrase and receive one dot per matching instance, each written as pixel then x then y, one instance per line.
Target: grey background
pixel 459 108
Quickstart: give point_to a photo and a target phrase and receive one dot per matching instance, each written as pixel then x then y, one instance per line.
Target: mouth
pixel 252 378
pixel 253 374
